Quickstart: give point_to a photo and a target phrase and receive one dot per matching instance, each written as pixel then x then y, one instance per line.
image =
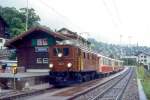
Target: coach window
pixel 88 56
pixel 93 57
pixel 65 51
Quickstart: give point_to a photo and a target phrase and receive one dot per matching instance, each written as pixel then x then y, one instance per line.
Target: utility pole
pixel 121 52
pixel 129 47
pixel 27 13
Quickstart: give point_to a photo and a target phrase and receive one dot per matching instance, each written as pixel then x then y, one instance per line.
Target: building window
pixel 41 42
pixel 1 40
pixel 144 56
pixel 39 60
pixel 45 60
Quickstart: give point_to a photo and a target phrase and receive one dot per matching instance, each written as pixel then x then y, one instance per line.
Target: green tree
pixel 32 17
pixel 16 19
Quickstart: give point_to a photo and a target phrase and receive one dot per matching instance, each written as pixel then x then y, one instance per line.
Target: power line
pixel 58 14
pixel 109 12
pixel 117 11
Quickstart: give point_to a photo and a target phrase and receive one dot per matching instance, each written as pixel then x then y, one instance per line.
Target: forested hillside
pixel 113 50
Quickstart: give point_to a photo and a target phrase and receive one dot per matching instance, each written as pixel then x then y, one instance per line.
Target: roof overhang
pixel 22 35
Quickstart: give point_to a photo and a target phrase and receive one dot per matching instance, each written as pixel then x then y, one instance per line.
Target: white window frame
pixel 45 60
pixel 1 40
pixel 39 60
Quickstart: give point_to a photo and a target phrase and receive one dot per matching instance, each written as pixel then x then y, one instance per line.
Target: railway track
pixel 109 90
pixel 116 90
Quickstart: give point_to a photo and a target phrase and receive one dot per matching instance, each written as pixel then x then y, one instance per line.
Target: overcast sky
pixel 104 20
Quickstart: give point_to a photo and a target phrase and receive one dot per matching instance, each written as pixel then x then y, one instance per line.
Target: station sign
pixel 41 49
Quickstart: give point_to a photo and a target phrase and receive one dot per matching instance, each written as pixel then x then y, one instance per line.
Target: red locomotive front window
pixel 65 51
pixel 56 51
pixel 62 51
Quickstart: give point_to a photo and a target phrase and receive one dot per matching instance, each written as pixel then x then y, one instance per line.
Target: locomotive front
pixel 63 65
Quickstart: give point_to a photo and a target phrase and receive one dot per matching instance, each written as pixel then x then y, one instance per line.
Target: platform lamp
pixel 14 71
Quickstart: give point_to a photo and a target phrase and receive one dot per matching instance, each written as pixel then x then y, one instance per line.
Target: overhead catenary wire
pixel 60 15
pixel 109 13
pixel 117 11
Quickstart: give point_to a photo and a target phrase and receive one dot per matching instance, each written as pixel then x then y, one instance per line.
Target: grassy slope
pixel 145 77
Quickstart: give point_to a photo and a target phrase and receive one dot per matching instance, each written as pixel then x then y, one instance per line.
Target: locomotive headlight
pixel 69 65
pixel 60 55
pixel 51 65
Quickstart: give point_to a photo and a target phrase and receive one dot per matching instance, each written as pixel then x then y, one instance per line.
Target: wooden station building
pixel 32 47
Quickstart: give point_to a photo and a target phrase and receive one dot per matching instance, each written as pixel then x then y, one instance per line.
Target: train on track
pixel 73 62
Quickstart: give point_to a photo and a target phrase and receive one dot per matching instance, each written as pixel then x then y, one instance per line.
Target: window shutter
pixel 51 41
pixel 34 42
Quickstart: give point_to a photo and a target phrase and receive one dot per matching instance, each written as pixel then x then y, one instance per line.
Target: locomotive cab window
pixel 56 51
pixel 65 51
pixel 84 55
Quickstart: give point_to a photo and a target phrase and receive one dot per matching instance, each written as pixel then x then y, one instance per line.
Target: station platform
pixel 23 75
pixel 24 80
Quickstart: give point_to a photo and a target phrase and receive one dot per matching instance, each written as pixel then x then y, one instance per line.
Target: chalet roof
pixel 3 21
pixel 73 35
pixel 71 32
pixel 22 35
